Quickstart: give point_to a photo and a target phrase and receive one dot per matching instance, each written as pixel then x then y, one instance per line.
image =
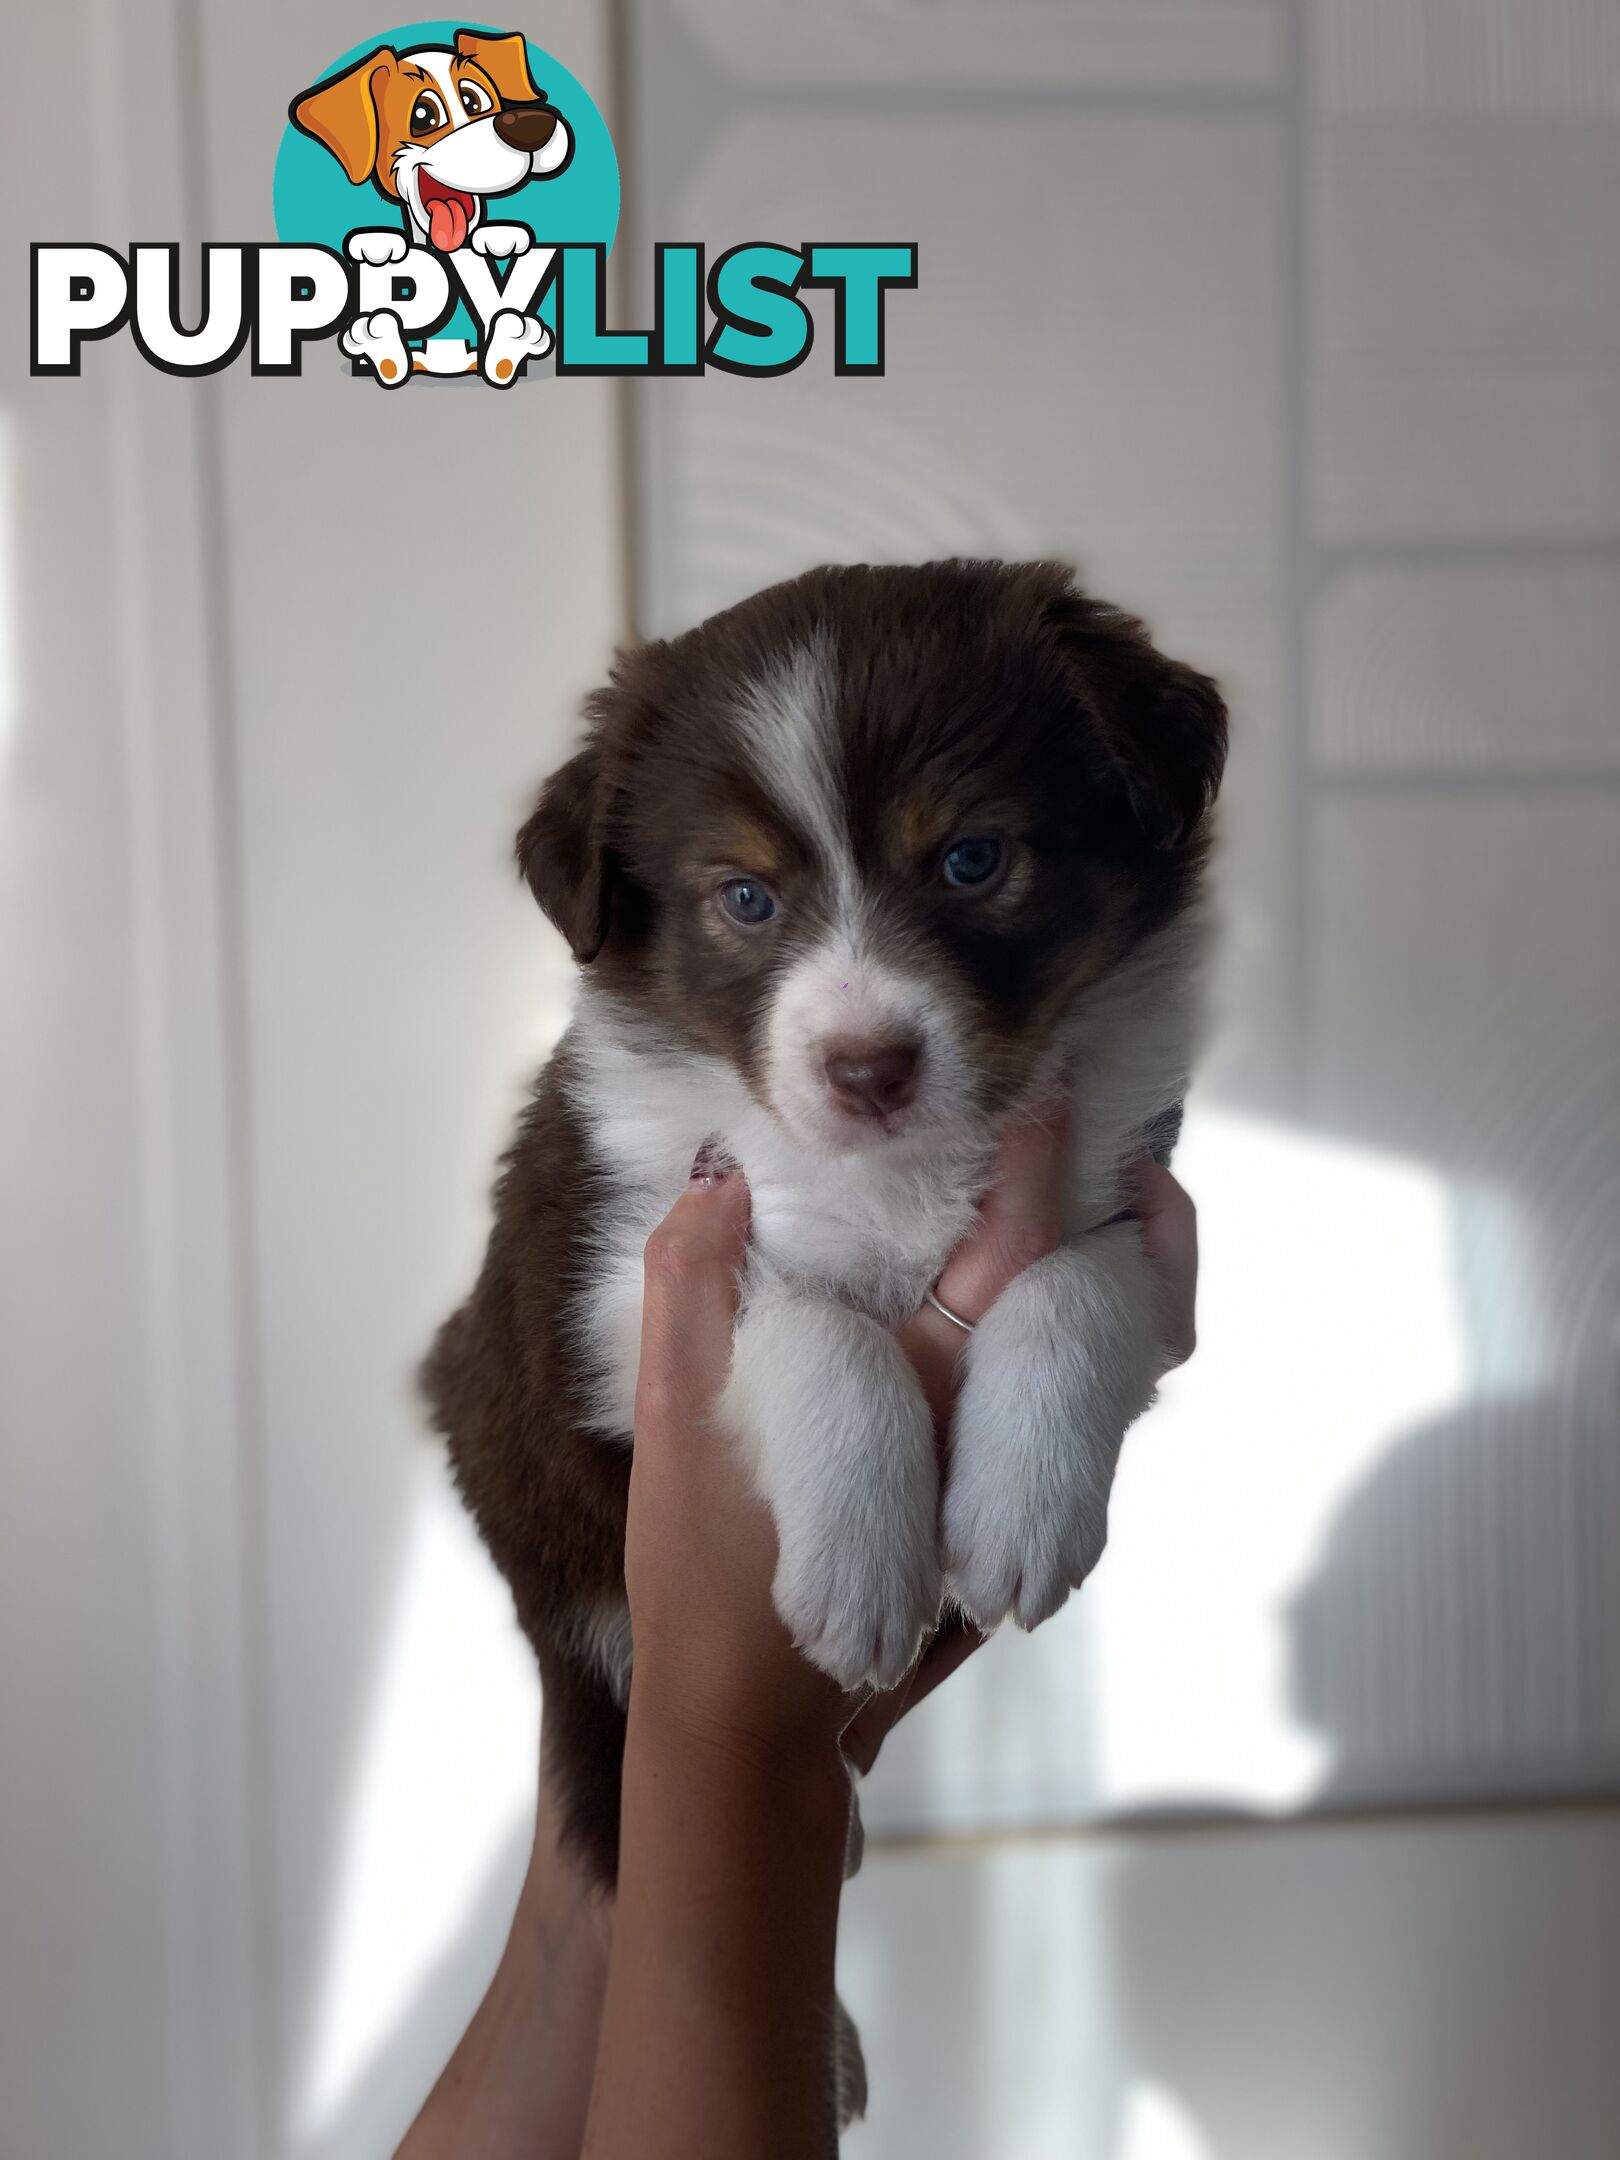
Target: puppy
pixel 854 872
pixel 436 130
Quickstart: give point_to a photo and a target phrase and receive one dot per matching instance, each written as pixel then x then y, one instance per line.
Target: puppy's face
pixel 439 129
pixel 870 835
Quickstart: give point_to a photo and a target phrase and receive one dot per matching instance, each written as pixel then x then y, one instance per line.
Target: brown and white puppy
pixel 854 871
pixel 437 130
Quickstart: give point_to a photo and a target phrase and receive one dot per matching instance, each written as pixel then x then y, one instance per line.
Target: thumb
pixel 1020 1217
pixel 691 1266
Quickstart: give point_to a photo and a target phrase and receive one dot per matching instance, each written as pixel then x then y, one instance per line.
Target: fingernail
pixel 709 1165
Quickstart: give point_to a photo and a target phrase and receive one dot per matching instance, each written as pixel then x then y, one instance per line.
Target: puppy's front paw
pixel 513 338
pixel 376 248
pixel 843 1450
pixel 379 340
pixel 1059 1367
pixel 501 240
pixel 856 1600
pixel 1006 1554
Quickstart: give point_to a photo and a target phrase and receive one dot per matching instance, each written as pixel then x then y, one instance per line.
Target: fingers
pixel 1025 1199
pixel 1020 1221
pixel 952 1644
pixel 1169 1224
pixel 692 1265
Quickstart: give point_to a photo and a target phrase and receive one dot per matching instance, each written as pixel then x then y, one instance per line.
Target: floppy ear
pixel 342 114
pixel 563 853
pixel 1162 724
pixel 505 60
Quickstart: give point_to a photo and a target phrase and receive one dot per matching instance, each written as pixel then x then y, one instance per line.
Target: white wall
pixel 278 670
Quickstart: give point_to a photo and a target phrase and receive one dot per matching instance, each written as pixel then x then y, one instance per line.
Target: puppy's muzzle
pixel 526 127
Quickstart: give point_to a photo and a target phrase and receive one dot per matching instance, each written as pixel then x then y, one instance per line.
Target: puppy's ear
pixel 341 114
pixel 505 60
pixel 1161 724
pixel 563 853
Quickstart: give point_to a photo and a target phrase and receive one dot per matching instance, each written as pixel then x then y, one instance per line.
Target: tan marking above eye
pixel 922 825
pixel 748 848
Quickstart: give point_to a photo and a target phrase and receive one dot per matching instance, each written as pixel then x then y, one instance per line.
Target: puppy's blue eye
pixel 971 862
pixel 746 900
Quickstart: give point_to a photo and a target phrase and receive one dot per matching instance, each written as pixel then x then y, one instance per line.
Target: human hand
pixel 1170 1239
pixel 1019 1223
pixel 693 1520
pixel 700 1557
pixel 700 1547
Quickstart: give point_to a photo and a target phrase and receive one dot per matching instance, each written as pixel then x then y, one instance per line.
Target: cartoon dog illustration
pixel 438 130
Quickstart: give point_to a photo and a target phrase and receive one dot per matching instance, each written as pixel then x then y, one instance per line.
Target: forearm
pixel 717 2028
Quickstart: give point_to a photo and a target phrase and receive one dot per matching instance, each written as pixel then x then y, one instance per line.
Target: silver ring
pixel 955 1318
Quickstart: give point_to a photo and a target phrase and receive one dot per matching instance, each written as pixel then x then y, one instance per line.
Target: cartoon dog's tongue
pixel 448 212
pixel 447 223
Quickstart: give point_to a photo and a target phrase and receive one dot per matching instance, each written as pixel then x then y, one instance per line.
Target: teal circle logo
pixel 456 140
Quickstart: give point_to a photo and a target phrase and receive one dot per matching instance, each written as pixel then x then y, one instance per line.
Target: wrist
pixel 755 1749
pixel 738 1682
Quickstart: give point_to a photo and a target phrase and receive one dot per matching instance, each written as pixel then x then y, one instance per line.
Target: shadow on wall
pixel 1405 1989
pixel 1487 1630
pixel 1411 1986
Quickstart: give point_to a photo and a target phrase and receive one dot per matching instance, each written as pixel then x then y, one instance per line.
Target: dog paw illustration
pixel 379 340
pixel 513 338
pixel 501 240
pixel 377 248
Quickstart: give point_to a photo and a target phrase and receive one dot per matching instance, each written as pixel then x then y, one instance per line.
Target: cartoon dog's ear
pixel 1162 725
pixel 563 853
pixel 505 60
pixel 341 113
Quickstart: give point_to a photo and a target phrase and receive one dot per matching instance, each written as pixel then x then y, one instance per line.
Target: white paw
pixel 501 240
pixel 842 1447
pixel 513 338
pixel 856 1605
pixel 1005 1555
pixel 377 248
pixel 379 340
pixel 1059 1367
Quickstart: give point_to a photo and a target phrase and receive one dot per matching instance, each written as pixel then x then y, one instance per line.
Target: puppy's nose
pixel 873 1078
pixel 526 127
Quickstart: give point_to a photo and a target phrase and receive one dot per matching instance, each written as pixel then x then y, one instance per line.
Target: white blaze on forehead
pixel 436 64
pixel 788 721
pixel 843 989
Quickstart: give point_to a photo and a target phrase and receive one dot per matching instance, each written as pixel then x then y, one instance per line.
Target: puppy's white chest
pixel 873 1240
pixel 865 1237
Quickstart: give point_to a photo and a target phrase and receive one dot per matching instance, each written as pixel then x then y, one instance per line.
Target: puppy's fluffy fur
pixel 756 859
